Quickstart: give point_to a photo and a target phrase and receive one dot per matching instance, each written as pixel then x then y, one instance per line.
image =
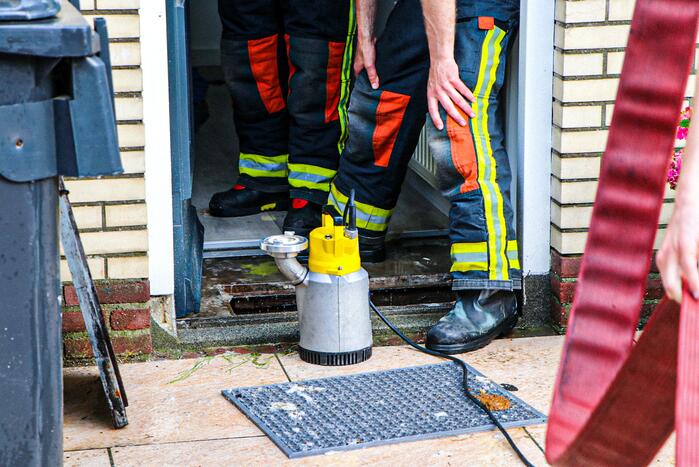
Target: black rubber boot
pixel 478 317
pixel 241 201
pixel 372 249
pixel 303 216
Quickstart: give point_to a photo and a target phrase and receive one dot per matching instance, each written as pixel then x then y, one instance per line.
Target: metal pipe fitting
pixel 284 249
pixel 292 269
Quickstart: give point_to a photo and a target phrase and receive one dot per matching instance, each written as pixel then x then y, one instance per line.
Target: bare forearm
pixel 440 22
pixel 444 86
pixel 677 259
pixel 366 19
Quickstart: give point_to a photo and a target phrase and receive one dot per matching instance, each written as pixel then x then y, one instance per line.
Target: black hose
pixel 461 363
pixel 351 210
pixel 344 213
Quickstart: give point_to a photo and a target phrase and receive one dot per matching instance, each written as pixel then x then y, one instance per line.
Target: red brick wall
pixel 564 272
pixel 126 310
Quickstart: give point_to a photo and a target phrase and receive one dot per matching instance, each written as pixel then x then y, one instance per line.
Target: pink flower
pixel 673 175
pixel 686 113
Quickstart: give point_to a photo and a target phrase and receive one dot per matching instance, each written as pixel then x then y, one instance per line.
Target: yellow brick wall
pixel 590 36
pixel 111 211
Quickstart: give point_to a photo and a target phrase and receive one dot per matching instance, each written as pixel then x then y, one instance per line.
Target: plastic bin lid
pixel 67 34
pixel 27 10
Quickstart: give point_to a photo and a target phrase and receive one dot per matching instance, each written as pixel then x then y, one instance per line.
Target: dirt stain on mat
pixel 494 402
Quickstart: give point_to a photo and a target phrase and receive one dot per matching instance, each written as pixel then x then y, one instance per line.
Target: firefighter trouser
pixel 472 165
pixel 288 66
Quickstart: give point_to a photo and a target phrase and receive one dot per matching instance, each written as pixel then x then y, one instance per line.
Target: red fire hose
pixel 616 402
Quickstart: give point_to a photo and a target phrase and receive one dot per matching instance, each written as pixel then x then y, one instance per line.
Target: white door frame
pixel 156 120
pixel 535 115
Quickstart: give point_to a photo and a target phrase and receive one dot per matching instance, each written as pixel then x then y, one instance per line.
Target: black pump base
pixel 335 358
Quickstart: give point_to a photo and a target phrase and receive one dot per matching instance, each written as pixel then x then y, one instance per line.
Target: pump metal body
pixel 335 326
pixel 332 294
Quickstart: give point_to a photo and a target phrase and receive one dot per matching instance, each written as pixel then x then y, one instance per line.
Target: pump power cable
pixel 616 401
pixel 463 366
pixel 350 211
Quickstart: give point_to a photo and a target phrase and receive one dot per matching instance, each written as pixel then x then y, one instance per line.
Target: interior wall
pixel 205 33
pixel 205 30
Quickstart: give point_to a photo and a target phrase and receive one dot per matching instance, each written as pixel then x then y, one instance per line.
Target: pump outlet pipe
pixel 284 249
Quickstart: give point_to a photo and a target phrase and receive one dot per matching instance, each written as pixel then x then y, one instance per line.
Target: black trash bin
pixel 56 119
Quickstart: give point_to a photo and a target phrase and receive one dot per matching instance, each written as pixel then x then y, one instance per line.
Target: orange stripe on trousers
pixel 463 154
pixel 336 52
pixel 389 116
pixel 265 70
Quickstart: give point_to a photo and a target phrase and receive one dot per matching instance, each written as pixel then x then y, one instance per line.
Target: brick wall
pixel 126 311
pixel 111 211
pixel 590 36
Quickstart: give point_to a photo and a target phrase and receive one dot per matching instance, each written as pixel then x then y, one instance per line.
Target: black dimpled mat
pixel 368 409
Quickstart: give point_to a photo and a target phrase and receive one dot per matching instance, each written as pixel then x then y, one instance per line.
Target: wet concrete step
pixel 266 328
pixel 247 300
pixel 415 272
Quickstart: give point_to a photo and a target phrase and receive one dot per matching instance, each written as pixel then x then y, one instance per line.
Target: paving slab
pixel 190 423
pixel 86 458
pixel 162 410
pixel 482 449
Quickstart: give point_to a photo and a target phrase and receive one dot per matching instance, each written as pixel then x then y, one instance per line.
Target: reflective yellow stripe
pixel 469 257
pixel 366 208
pixel 263 173
pixel 513 254
pixel 368 217
pixel 487 166
pixel 310 176
pixel 312 169
pixel 473 266
pixel 480 247
pixel 268 207
pixel 280 159
pixel 257 165
pixel 347 61
pixel 500 207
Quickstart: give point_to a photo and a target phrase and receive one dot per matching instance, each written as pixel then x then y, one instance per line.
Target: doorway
pixel 216 156
pixel 239 286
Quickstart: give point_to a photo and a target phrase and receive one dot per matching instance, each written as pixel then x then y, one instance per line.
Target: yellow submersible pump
pixel 332 293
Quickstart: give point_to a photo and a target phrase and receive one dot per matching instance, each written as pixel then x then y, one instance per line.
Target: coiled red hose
pixel 616 402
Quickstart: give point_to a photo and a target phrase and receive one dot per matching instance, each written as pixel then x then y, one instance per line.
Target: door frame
pixel 158 154
pixel 535 110
pixel 535 122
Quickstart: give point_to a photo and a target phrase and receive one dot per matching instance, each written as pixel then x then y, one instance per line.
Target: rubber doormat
pixel 368 409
